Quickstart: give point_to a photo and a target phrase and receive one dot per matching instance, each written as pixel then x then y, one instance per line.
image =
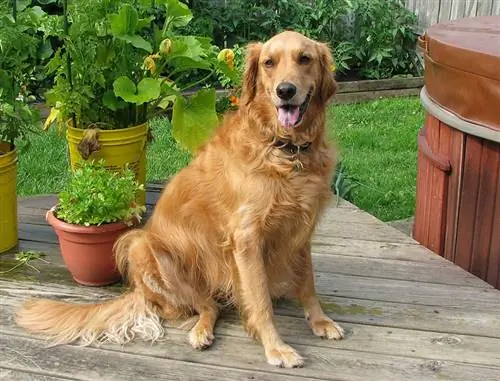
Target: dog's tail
pixel 116 320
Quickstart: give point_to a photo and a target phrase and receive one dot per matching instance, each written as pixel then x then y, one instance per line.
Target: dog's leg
pixel 201 335
pixel 320 324
pixel 256 302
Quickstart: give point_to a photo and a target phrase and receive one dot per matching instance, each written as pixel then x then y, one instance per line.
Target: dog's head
pixel 291 72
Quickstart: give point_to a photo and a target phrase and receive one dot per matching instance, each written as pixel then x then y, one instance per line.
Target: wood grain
pixel 409 315
pixel 166 361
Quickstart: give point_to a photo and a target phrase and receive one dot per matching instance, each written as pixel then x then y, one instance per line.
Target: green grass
pixel 377 143
pixel 376 140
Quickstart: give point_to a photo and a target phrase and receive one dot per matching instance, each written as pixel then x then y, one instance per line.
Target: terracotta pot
pixel 88 250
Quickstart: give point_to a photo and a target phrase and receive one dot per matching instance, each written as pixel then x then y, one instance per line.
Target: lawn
pixel 377 143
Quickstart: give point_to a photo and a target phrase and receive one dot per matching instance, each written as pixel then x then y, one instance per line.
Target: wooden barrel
pixel 458 181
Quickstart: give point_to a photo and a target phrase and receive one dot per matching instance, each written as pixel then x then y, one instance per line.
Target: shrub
pixel 374 38
pixel 19 51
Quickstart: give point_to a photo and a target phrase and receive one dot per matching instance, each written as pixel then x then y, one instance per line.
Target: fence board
pixel 430 12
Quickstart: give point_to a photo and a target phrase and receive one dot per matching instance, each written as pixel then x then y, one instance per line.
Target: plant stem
pixel 198 82
pixel 14 10
pixel 68 57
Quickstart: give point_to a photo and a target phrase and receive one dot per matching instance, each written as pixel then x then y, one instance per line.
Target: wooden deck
pixel 410 315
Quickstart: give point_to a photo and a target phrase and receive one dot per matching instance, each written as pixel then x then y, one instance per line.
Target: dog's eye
pixel 268 63
pixel 304 60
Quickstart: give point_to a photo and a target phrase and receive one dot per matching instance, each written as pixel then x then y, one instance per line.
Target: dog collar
pixel 290 148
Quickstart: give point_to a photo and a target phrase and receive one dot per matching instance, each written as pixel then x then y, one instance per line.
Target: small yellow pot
pixel 118 147
pixel 8 197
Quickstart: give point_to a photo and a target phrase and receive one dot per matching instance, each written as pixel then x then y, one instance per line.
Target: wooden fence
pixel 432 11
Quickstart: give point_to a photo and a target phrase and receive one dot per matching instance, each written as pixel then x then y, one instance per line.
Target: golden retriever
pixel 235 225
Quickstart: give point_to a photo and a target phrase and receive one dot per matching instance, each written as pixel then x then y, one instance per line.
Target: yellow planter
pixel 8 198
pixel 118 147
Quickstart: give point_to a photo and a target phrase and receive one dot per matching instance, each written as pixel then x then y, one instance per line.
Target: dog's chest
pixel 293 210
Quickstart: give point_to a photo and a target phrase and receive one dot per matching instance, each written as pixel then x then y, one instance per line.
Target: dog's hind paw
pixel 284 356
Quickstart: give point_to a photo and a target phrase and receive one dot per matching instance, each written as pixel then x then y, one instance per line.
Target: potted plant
pixel 119 62
pixel 95 208
pixel 18 54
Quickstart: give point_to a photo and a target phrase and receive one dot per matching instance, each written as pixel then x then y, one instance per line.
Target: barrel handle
pixel 422 43
pixel 438 160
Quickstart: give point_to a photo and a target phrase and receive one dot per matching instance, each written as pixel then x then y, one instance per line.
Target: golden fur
pixel 235 225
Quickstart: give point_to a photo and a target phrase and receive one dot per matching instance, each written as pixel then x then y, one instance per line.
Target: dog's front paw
pixel 284 356
pixel 326 328
pixel 200 337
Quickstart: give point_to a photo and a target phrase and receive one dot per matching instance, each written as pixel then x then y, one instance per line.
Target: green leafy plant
pixel 384 38
pixel 121 61
pixel 370 38
pixel 95 195
pixel 343 184
pixel 19 51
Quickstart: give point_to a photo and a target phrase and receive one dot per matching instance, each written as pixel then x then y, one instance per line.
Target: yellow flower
pixel 227 55
pixel 165 46
pixel 150 64
pixel 333 67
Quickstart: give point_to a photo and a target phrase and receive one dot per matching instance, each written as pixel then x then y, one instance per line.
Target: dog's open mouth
pixel 291 115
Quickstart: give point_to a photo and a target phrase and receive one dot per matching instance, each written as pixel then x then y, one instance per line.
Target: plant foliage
pixel 95 195
pixel 20 50
pixel 122 60
pixel 374 38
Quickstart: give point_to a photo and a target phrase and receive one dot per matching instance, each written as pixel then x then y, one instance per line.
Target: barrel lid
pixel 470 44
pixel 462 67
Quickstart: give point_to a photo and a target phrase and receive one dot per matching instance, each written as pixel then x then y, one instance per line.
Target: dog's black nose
pixel 286 90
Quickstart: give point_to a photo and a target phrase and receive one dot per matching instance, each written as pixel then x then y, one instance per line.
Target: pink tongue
pixel 288 117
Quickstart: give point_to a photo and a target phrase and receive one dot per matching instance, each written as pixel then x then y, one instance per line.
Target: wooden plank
pixel 493 276
pixel 19 375
pixel 445 10
pixel 484 7
pixel 468 202
pixel 495 7
pixel 456 149
pixel 326 234
pixel 92 364
pixel 471 8
pixel 487 196
pixel 373 249
pixel 457 9
pixel 380 84
pixel 389 341
pixel 226 360
pixel 391 290
pixel 477 321
pixel 364 96
pixel 410 4
pixel 427 269
pixel 335 215
pixel 438 272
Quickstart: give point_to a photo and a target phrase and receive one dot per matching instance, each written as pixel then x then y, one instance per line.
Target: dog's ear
pixel 327 86
pixel 249 85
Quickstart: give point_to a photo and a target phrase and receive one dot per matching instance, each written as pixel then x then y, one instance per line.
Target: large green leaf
pixel 189 52
pixel 137 41
pixel 178 14
pixel 147 89
pixel 194 122
pixel 125 21
pixel 124 25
